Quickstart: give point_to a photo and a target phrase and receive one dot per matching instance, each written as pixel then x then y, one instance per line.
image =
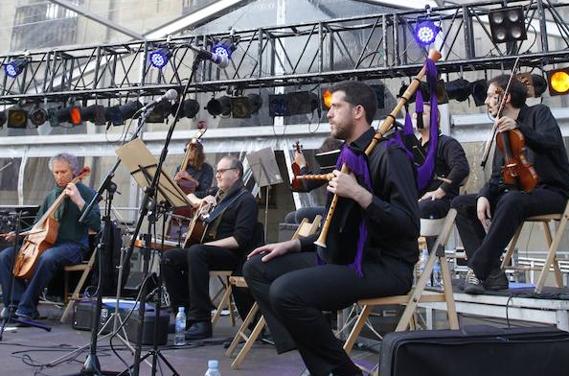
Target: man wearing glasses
pixel 229 236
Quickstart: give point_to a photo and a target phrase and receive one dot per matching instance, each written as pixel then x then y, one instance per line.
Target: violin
pixel 296 184
pixel 517 170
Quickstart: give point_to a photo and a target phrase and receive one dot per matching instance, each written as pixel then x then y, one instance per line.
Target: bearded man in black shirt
pixel 377 211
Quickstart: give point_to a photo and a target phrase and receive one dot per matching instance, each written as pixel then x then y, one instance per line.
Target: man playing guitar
pixel 229 236
pixel 71 243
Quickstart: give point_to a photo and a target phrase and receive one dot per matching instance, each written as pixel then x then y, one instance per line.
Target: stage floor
pixel 25 347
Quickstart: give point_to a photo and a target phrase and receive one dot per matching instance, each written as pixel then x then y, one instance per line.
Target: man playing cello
pixel 69 248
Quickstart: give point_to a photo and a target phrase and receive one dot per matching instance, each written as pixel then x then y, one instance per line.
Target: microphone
pixel 222 60
pixel 170 95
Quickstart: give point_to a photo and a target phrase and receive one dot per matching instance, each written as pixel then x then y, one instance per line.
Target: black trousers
pixel 509 211
pixel 292 291
pixel 186 275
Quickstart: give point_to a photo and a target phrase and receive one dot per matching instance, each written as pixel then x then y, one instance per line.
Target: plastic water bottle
pixel 423 258
pixel 180 338
pixel 437 280
pixel 212 368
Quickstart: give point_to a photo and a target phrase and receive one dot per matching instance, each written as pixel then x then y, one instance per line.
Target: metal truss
pixel 367 47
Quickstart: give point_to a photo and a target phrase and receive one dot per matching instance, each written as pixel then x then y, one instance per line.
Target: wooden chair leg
pixel 354 334
pixel 510 250
pixel 249 343
pixel 75 296
pixel 224 302
pixel 551 253
pixel 240 335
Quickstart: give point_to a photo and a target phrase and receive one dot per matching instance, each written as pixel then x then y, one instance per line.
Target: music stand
pixel 143 167
pixel 266 173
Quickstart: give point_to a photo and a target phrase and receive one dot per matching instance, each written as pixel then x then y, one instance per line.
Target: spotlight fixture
pixel 558 81
pixel 94 113
pixel 37 116
pixel 190 108
pixel 17 118
pixel 425 32
pixel 160 112
pixel 240 107
pixel 478 90
pixel 225 48
pixel 326 98
pixel 278 105
pixel 219 106
pixel 2 118
pixel 15 67
pixel 116 115
pixel 70 115
pixel 534 83
pixel 507 24
pixel 379 91
pixel 255 102
pixel 160 57
pixel 458 89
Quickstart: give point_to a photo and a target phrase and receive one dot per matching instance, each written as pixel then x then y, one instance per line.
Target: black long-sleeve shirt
pixel 238 220
pixel 392 218
pixel 451 163
pixel 545 150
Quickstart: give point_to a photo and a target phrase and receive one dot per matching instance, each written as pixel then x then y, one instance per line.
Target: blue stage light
pixel 426 32
pixel 15 67
pixel 159 57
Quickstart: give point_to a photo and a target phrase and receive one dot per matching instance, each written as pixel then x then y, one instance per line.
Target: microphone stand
pixel 148 208
pixel 11 309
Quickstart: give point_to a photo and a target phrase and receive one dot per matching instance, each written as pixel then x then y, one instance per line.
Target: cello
pixel 42 236
pixel 177 223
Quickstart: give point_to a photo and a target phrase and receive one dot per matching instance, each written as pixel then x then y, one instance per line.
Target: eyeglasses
pixel 222 170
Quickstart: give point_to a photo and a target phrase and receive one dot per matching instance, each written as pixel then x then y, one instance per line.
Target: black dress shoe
pixel 199 330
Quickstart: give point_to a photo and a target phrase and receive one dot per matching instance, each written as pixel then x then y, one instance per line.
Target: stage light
pixel 224 47
pixel 15 67
pixel 379 91
pixel 458 89
pixel 301 102
pixel 160 57
pixel 240 107
pixel 278 105
pixel 190 108
pixel 118 114
pixel 160 112
pixel 94 113
pixel 70 115
pixel 255 102
pixel 16 118
pixel 219 106
pixel 2 118
pixel 507 24
pixel 37 116
pixel 558 81
pixel 479 91
pixel 425 32
pixel 326 98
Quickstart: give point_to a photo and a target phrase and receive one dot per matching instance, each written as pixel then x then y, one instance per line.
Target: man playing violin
pixel 229 237
pixel 487 221
pixel 72 242
pixel 291 285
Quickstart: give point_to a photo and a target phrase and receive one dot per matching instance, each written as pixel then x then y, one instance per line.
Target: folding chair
pixel 304 229
pixel 417 293
pixel 552 242
pixel 85 268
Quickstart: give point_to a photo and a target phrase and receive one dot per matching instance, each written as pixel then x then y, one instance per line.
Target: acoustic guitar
pixel 41 237
pixel 198 225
